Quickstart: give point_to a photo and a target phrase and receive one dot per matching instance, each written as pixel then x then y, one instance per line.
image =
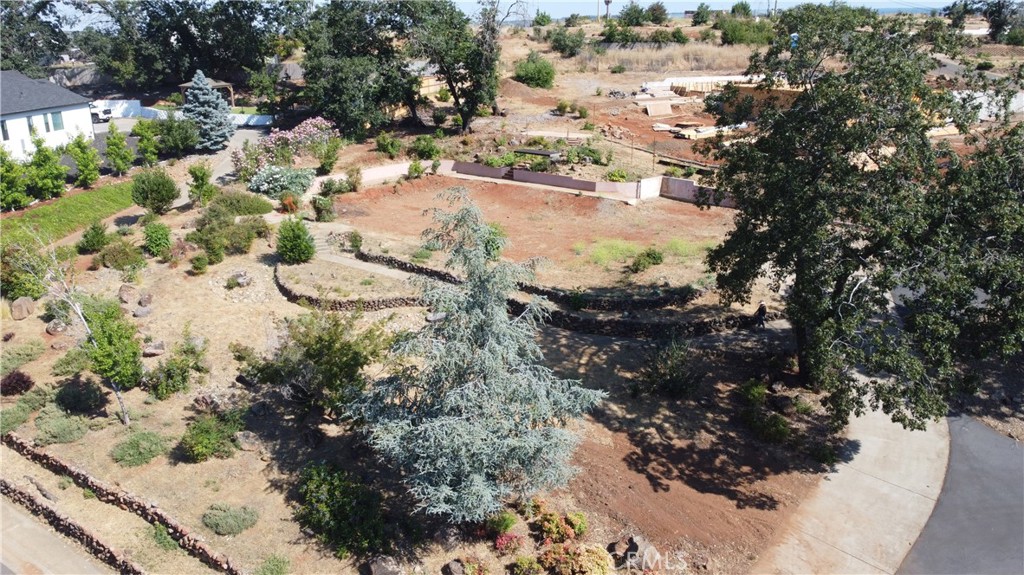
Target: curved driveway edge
pixel 865 516
pixel 31 547
pixel 978 523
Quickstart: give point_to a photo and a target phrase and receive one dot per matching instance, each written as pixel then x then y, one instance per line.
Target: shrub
pixel 94 238
pixel 679 37
pixel 178 138
pixel 12 417
pixel 291 203
pixel 273 565
pixel 355 241
pixel 568 44
pixel 354 176
pixel 36 398
pixel 14 356
pixel 616 34
pixel 578 522
pixel 275 181
pixel 16 382
pixel 435 166
pixel 294 242
pixel 212 435
pixel 617 69
pixel 425 148
pixel 87 160
pixel 79 395
pixel 154 190
pixel 671 370
pixel 656 13
pixel 139 448
pixel 324 209
pixel 21 272
pixel 535 71
pixel 651 256
pixel 200 262
pixel 122 256
pixel 200 190
pixel 754 393
pixel 617 175
pixel 389 145
pixel 157 238
pixel 163 539
pixel 500 523
pixel 702 15
pixel 741 9
pixel 443 95
pixel 416 170
pixel 331 187
pixel 745 31
pixel 554 527
pixel 439 116
pixel 563 107
pixel 326 153
pixel 169 377
pixel 541 18
pixel 525 566
pixel 1015 37
pixel 770 427
pixel 56 426
pixel 243 204
pixel 985 65
pixel 341 510
pixel 508 543
pixel 582 112
pixel 227 520
pixel 568 559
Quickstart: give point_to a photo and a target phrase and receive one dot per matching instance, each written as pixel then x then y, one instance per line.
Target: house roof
pixel 19 93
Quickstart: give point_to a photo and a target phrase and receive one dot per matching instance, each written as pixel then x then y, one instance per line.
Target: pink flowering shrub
pixel 281 146
pixel 508 543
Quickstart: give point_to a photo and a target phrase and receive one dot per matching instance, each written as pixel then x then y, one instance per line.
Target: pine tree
pixel 481 419
pixel 119 155
pixel 209 111
pixel 87 160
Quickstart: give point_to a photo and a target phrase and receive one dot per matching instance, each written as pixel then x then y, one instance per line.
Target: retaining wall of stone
pixel 150 512
pixel 342 304
pixel 69 528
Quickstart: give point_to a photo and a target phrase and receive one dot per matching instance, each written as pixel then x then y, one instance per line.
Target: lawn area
pixel 243 110
pixel 66 215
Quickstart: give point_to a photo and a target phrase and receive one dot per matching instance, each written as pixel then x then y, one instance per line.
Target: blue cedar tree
pixel 207 108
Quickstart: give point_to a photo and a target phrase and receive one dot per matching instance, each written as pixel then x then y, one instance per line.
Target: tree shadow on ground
pixel 127 220
pixel 702 442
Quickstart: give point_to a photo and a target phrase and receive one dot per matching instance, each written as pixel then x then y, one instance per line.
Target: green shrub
pixel 326 154
pixel 294 243
pixel 643 261
pixel 674 172
pixel 582 112
pixel 341 511
pixel 200 262
pixel 14 356
pixel 36 398
pixel 617 175
pixel 541 18
pixel 355 241
pixel 679 37
pixel 526 566
pixel 227 520
pixel 443 95
pixel 568 44
pixel 660 37
pixel 273 565
pixel 770 427
pixel 243 204
pixel 500 523
pixel 578 522
pixel 1015 37
pixel 425 148
pixel 554 527
pixel 416 170
pixel 275 181
pixel 94 238
pixel 16 382
pixel 12 417
pixel 212 435
pixel 745 31
pixel 671 370
pixel 324 209
pixel 56 426
pixel 702 15
pixel 605 251
pixel 439 116
pixel 87 160
pixel 985 65
pixel 178 138
pixel 163 539
pixel 389 145
pixel 169 377
pixel 79 395
pixel 157 238
pixel 121 256
pixel 139 448
pixel 200 190
pixel 154 190
pixel 535 71
pixel 21 271
pixel 617 69
pixel 562 107
pixel 333 187
pixel 754 393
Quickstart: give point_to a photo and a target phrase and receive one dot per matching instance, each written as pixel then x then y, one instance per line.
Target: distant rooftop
pixel 19 94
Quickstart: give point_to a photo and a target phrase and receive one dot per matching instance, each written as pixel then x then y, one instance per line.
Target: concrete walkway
pixel 29 546
pixel 865 516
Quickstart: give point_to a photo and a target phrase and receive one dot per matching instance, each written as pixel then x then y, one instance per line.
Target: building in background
pixel 57 114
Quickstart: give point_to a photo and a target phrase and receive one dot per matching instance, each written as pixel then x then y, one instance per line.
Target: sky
pixel 563 8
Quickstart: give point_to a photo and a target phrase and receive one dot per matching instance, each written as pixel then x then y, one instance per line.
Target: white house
pixel 57 114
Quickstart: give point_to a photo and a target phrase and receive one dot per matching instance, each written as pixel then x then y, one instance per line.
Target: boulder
pixel 128 293
pixel 782 404
pixel 385 565
pixel 59 345
pixel 143 312
pixel 22 307
pixel 248 441
pixel 153 349
pixel 241 278
pixel 454 567
pixel 146 299
pixel 56 327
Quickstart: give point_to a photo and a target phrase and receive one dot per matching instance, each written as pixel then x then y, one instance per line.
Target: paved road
pixel 978 523
pixel 29 546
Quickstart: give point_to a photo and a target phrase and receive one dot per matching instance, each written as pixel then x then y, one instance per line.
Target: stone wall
pixel 342 304
pixel 69 528
pixel 148 511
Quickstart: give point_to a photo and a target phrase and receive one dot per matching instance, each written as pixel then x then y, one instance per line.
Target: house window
pixel 58 121
pixel 3 127
pixel 46 122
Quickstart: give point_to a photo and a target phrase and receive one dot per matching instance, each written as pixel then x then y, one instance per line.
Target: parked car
pixel 99 114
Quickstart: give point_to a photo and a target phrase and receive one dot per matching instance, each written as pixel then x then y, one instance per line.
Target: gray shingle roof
pixel 19 93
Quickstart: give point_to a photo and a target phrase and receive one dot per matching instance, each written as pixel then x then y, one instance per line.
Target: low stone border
pixel 69 528
pixel 558 296
pixel 148 511
pixel 342 304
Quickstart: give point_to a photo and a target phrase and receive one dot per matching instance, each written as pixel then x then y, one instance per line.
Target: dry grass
pixel 695 56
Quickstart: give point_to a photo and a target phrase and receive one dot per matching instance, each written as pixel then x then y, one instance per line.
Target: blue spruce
pixel 207 108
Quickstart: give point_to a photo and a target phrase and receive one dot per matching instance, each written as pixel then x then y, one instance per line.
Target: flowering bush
pixel 281 146
pixel 508 543
pixel 273 181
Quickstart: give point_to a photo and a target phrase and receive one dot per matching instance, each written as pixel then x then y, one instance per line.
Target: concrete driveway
pixel 977 525
pixel 28 546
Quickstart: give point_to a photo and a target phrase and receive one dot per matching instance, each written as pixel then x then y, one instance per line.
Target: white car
pixel 99 114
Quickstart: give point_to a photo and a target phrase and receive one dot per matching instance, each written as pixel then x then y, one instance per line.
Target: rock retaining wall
pixel 69 528
pixel 148 511
pixel 342 304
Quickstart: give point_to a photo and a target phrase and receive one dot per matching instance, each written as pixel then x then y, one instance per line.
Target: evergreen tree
pixel 119 155
pixel 209 111
pixel 145 131
pixel 479 419
pixel 87 160
pixel 46 175
pixel 13 183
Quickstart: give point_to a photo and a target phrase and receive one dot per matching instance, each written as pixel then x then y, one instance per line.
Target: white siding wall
pixel 75 119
